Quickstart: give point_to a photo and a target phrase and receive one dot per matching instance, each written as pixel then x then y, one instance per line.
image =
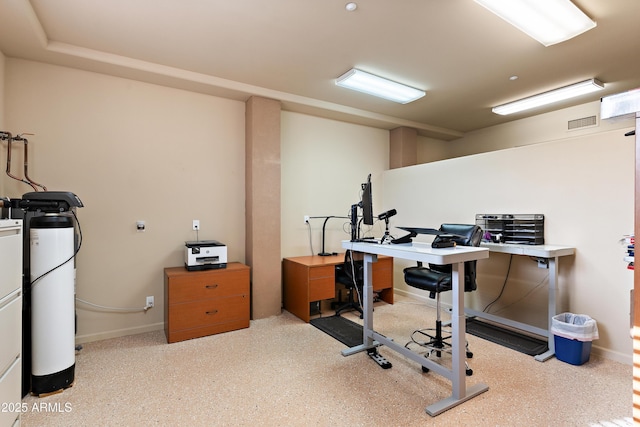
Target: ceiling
pixel 292 50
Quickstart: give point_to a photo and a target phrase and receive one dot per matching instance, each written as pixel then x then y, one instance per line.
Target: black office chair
pixel 437 279
pixel 351 275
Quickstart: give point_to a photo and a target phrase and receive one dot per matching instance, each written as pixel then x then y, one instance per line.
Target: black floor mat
pixel 344 330
pixel 507 338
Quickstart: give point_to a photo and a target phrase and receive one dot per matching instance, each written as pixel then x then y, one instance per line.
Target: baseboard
pixel 419 297
pixel 626 359
pixel 81 339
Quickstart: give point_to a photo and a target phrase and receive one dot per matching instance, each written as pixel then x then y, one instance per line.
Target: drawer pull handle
pixel 211 286
pixel 212 312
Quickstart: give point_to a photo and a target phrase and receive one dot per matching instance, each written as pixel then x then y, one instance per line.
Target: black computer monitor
pixel 367 202
pixel 366 205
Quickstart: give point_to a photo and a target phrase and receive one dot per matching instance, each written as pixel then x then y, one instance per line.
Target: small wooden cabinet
pixel 201 303
pixel 313 278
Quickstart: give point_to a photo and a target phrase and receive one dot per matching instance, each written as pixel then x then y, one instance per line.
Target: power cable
pixel 504 284
pixel 33 282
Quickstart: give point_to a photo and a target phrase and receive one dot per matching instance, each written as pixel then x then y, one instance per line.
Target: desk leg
pixel 458 331
pixel 459 393
pixel 367 308
pixel 553 293
pixel 367 317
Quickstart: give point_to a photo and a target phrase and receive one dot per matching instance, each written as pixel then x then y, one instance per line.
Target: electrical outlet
pixel 196 224
pixel 306 219
pixel 149 302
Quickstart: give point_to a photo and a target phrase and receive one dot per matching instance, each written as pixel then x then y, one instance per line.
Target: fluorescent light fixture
pixel 550 97
pixel 377 86
pixel 548 21
pixel 620 104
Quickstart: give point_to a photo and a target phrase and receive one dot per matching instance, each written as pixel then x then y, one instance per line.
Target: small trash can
pixel 572 335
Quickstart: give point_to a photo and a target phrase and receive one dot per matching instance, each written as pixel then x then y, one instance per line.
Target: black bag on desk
pixel 443 241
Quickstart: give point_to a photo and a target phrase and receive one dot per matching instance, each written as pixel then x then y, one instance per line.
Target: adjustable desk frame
pixel 371 339
pixel 551 253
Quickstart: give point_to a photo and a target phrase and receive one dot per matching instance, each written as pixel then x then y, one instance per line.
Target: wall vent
pixel 582 123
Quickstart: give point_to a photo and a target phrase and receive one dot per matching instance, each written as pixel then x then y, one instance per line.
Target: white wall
pixel 323 164
pixel 584 187
pixel 131 151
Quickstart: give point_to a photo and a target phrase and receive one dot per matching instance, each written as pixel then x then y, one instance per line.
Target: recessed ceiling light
pixel 514 77
pixel 351 6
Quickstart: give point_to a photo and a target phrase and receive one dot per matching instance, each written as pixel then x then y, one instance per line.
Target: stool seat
pixel 427 280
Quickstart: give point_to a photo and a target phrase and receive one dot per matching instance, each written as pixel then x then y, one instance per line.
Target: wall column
pixel 635 304
pixel 262 189
pixel 403 147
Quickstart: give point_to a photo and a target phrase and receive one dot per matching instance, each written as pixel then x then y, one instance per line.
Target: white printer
pixel 205 255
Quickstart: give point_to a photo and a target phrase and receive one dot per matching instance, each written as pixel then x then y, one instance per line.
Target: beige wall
pixel 534 130
pixel 323 164
pixel 432 150
pixel 134 151
pixel 2 62
pixel 582 182
pixel 3 147
pixel 131 151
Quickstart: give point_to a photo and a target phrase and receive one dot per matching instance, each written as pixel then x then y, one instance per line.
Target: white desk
pixel 370 339
pixel 551 253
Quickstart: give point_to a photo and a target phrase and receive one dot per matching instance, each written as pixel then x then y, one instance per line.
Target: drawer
pixel 322 288
pixel 209 312
pixel 220 284
pixel 382 278
pixel 10 329
pixel 383 273
pixel 322 272
pixel 11 393
pixel 10 256
pixel 203 331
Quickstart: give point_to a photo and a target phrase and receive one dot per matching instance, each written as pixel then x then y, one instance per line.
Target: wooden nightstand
pixel 201 303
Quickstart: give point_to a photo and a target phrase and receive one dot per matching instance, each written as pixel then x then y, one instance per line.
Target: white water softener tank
pixel 52 303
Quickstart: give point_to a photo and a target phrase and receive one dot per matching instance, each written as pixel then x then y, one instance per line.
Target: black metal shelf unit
pixel 527 229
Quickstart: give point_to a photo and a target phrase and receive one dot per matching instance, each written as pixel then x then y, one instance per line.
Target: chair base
pixel 349 305
pixel 437 343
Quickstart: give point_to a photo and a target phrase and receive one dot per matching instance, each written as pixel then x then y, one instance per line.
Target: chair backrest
pixel 345 272
pixel 465 235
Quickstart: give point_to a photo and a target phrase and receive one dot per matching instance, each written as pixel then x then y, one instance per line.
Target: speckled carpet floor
pixel 284 372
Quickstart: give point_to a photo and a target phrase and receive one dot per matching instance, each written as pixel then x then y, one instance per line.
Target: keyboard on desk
pixel 365 240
